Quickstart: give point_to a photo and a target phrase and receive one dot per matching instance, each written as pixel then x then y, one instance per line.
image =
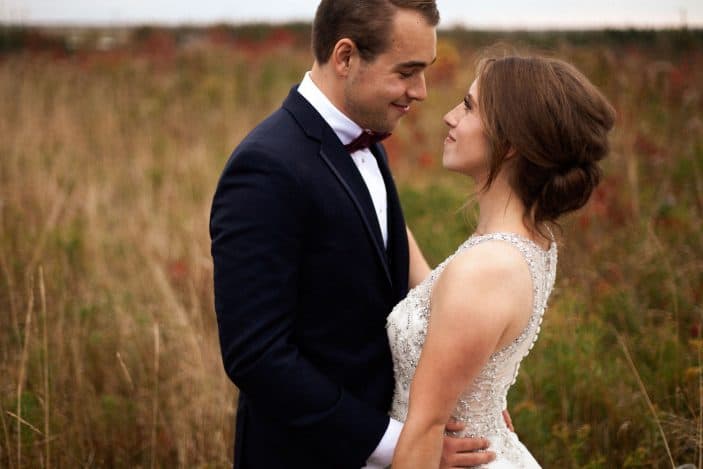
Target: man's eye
pixel 406 74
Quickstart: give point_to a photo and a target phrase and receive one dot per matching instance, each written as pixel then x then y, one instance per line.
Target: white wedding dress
pixel 481 404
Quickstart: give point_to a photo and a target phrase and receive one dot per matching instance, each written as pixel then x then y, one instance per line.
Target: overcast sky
pixel 481 14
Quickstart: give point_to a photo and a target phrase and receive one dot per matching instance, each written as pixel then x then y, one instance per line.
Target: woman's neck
pixel 501 210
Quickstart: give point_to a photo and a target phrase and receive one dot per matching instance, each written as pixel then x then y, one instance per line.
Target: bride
pixel 530 133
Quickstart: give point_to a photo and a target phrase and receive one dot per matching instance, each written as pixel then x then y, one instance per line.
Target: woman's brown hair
pixel 550 124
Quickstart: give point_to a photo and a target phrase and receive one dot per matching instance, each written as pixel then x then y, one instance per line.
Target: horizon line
pixel 543 26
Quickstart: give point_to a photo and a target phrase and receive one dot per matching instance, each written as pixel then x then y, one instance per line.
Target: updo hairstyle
pixel 544 117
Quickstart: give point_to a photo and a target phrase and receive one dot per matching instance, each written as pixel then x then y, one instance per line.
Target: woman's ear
pixel 342 56
pixel 512 153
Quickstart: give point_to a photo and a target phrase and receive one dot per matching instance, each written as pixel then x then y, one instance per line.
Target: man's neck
pixel 324 79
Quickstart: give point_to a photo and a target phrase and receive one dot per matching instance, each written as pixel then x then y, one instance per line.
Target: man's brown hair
pixel 366 22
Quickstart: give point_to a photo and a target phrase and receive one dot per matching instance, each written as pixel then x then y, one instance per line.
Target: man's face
pixel 378 93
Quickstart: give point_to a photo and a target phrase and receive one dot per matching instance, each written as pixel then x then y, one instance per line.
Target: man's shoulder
pixel 279 141
pixel 279 131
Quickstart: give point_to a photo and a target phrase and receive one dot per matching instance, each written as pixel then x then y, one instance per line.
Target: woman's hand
pixel 508 420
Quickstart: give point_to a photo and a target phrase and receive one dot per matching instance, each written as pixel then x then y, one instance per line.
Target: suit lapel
pixel 398 257
pixel 340 163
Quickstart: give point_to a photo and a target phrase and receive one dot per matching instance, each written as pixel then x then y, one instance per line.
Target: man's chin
pixel 391 124
pixel 387 124
pixel 385 127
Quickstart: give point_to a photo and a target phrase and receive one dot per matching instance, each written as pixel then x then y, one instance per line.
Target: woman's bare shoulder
pixel 490 278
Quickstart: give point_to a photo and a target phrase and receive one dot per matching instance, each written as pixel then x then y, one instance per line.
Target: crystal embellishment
pixel 480 406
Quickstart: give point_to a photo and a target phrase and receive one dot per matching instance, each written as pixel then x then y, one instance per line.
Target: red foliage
pixel 425 160
pixel 444 71
pixel 219 36
pixel 645 146
pixel 277 39
pixel 177 270
pixel 393 148
pixel 37 42
pixel 280 37
pixel 159 44
pixel 698 294
pixel 681 78
pixel 114 58
pixel 604 205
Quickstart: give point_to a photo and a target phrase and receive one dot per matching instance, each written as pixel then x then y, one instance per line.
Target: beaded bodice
pixel 480 406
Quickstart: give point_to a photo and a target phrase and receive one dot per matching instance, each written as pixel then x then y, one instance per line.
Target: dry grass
pixel 109 352
pixel 108 197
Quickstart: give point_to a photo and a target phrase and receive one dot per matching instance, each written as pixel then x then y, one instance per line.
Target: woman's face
pixel 466 145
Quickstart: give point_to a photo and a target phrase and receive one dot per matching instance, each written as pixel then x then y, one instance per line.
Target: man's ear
pixel 343 54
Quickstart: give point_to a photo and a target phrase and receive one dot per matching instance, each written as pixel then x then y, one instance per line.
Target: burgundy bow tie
pixel 365 140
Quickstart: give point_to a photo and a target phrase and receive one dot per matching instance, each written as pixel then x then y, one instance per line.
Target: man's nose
pixel 418 88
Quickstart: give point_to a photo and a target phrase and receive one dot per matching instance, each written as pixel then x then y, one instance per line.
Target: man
pixel 311 251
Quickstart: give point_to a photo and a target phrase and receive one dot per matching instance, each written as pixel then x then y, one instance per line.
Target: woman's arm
pixel 419 269
pixel 478 304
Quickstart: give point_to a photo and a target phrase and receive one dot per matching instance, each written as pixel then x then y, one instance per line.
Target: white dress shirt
pixel 347 130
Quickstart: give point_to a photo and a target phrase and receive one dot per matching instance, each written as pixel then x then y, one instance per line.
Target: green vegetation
pixel 109 354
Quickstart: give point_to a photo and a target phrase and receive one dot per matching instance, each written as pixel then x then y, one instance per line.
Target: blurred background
pixel 116 120
pixel 506 14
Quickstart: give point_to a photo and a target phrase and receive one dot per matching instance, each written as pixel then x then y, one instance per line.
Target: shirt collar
pixel 345 128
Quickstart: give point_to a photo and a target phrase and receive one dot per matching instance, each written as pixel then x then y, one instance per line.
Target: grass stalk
pixel 47 393
pixel 10 292
pixel 155 407
pixel 125 370
pixel 670 271
pixel 51 221
pixel 643 389
pixel 20 420
pixel 700 402
pixel 22 370
pixel 6 433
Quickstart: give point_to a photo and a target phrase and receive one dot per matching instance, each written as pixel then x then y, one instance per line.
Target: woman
pixel 530 133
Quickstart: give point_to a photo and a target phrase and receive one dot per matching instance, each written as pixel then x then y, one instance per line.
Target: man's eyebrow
pixel 416 63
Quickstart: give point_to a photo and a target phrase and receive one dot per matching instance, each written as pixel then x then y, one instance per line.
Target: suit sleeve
pixel 257 228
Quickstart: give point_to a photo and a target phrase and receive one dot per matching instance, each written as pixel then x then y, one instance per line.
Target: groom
pixel 311 252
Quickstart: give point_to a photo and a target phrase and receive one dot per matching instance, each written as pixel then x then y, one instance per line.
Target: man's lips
pixel 402 107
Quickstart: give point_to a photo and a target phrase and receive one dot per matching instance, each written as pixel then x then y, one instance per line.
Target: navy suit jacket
pixel 303 285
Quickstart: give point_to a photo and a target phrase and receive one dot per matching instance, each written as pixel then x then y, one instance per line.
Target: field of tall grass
pixel 109 354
